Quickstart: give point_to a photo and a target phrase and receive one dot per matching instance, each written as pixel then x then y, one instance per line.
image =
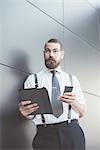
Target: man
pixel 60 132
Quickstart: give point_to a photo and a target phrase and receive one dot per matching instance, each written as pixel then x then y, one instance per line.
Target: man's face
pixel 53 55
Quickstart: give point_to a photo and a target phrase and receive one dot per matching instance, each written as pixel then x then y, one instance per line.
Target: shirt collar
pixel 58 69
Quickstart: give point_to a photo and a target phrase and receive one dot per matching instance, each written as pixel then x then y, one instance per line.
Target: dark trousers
pixel 61 136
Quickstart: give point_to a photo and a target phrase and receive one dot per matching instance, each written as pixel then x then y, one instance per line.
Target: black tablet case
pixel 39 96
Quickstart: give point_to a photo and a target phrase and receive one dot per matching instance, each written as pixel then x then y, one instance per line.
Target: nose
pixel 51 53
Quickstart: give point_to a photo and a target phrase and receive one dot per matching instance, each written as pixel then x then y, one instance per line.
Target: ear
pixel 43 53
pixel 62 55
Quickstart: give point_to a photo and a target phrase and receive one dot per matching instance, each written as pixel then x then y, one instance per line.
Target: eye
pixel 56 50
pixel 47 51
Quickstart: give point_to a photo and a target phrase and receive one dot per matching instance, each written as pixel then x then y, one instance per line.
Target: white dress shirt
pixel 45 80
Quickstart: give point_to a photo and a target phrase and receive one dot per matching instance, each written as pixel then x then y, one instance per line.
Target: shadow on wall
pixel 13 126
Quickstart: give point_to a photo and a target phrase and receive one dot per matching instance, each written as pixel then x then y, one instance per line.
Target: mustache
pixel 50 59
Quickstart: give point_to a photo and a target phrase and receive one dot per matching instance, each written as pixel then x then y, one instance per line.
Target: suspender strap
pixel 69 107
pixel 36 81
pixel 36 85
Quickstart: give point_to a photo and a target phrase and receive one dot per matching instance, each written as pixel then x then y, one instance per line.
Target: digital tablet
pixel 39 96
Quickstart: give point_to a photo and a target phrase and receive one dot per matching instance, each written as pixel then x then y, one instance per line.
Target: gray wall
pixel 25 26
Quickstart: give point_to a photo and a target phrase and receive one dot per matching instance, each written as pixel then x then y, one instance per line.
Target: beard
pixel 51 63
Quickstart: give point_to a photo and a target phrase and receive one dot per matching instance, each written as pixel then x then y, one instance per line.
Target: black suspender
pixel 36 86
pixel 69 106
pixel 36 81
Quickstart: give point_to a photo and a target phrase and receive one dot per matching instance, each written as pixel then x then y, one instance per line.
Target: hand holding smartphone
pixel 67 96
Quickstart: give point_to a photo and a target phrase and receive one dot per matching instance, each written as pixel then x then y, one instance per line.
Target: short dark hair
pixel 53 41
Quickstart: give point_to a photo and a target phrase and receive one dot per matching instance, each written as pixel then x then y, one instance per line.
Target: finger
pixel 69 94
pixel 67 97
pixel 29 106
pixel 22 103
pixel 29 111
pixel 33 109
pixel 67 100
pixel 35 104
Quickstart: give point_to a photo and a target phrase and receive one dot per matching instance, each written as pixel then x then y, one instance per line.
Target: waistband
pixel 64 123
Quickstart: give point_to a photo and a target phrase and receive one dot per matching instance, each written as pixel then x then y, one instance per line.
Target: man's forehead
pixel 52 45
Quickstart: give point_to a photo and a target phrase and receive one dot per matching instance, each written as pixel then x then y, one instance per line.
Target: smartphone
pixel 68 89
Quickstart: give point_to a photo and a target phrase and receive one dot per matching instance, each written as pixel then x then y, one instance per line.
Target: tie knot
pixel 53 72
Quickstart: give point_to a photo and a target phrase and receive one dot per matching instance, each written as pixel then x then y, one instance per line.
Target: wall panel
pixel 95 4
pixel 91 122
pixel 80 60
pixel 80 18
pixel 53 8
pixel 98 28
pixel 13 127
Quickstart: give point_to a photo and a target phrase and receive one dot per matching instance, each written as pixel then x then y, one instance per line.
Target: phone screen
pixel 68 89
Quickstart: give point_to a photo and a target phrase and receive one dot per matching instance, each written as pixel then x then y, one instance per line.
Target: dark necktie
pixel 56 103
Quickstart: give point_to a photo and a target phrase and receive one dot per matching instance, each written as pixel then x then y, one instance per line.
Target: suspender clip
pixel 69 120
pixel 44 124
